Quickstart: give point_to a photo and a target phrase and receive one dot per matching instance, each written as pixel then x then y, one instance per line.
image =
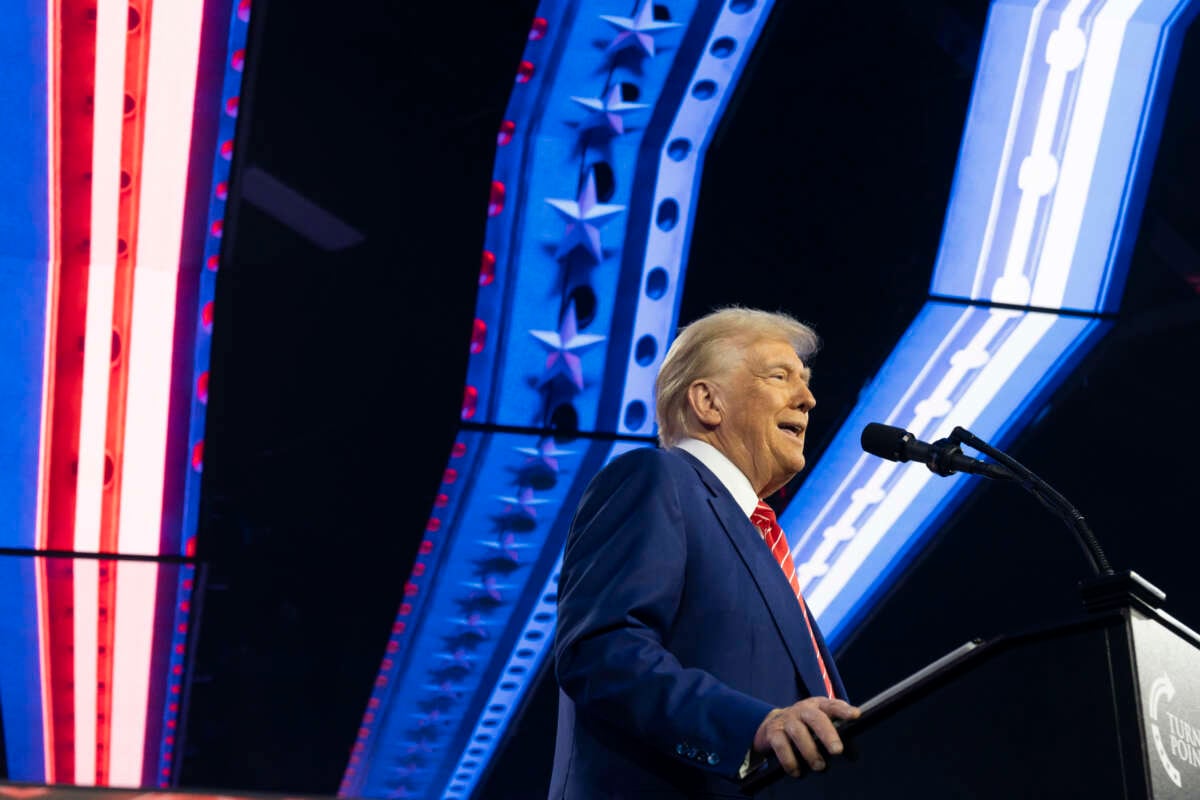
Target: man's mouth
pixel 792 429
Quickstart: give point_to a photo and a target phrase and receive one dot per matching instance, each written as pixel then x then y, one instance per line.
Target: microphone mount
pixel 944 457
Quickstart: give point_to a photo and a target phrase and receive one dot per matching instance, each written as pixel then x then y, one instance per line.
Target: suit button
pixel 714 759
pixel 680 749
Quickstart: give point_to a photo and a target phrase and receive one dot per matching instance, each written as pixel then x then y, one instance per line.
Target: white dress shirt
pixel 726 471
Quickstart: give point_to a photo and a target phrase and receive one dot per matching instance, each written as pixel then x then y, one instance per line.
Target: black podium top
pixel 1107 705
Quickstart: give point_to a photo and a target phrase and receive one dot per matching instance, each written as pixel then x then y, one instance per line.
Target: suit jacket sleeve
pixel 623 575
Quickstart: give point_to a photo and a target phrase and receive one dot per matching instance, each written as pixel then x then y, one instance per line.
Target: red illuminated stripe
pixel 72 54
pixel 108 114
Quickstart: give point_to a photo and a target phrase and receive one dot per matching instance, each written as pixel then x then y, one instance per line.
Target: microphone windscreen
pixel 885 441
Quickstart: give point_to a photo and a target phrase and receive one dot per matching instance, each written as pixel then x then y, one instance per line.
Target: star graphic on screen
pixel 524 498
pixel 607 111
pixel 584 215
pixel 564 346
pixel 545 450
pixel 637 31
pixel 504 558
pixel 540 469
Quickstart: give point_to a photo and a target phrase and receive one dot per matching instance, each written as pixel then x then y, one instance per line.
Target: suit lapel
pixel 767 576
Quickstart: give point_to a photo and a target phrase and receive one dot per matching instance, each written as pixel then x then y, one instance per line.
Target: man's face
pixel 764 403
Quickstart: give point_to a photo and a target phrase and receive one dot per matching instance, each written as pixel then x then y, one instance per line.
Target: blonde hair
pixel 704 349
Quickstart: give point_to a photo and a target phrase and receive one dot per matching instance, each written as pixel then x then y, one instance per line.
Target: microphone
pixel 943 457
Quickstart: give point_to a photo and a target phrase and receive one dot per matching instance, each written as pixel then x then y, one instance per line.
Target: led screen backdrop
pixel 589 221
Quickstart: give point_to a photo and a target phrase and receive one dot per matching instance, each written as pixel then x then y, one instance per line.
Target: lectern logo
pixel 1182 745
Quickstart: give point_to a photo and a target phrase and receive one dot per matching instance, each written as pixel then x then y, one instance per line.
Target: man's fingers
pixel 840 709
pixel 821 726
pixel 781 745
pixel 798 732
pixel 793 733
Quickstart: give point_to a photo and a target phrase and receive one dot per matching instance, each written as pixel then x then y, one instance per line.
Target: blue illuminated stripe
pixel 20 669
pixel 861 517
pixel 550 154
pixel 25 233
pixel 24 261
pixel 1065 117
pixel 226 126
pixel 1058 147
pixel 680 164
pixel 463 630
pixel 526 659
pixel 171 684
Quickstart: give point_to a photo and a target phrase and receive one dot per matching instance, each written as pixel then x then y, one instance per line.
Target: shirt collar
pixel 732 478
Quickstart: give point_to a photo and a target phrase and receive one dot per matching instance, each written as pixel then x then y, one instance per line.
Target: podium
pixel 1107 706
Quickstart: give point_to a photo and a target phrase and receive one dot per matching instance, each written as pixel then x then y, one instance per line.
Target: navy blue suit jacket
pixel 677 634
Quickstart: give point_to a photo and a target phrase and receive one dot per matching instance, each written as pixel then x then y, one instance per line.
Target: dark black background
pixel 336 377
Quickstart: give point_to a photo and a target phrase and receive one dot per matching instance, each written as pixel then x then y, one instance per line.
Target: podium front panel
pixel 1168 677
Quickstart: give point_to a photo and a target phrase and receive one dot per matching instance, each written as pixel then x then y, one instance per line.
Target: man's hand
pixel 796 729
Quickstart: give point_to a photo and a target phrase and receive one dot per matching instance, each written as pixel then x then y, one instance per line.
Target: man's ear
pixel 703 399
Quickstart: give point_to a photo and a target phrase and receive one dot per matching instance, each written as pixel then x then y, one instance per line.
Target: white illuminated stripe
pixel 1079 155
pixel 978 397
pixel 86 579
pixel 1039 169
pixel 50 772
pixel 137 585
pixel 109 101
pixel 1014 117
pixel 170 95
pixel 48 349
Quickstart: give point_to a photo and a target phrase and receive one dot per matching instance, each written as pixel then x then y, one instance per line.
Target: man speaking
pixel 684 650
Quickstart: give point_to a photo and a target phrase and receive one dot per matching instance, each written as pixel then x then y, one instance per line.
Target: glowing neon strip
pixel 170 96
pixel 1079 159
pixel 43 639
pixel 137 582
pixel 1038 171
pixel 53 215
pixel 109 102
pixel 1014 118
pixel 109 98
pixel 86 574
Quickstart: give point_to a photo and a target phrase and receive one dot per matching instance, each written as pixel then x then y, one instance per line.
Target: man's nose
pixel 805 399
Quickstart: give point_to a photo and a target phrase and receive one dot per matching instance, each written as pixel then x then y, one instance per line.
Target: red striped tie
pixel 764 519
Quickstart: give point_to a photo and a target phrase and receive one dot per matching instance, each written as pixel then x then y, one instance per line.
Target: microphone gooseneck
pixel 944 457
pixel 1048 496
